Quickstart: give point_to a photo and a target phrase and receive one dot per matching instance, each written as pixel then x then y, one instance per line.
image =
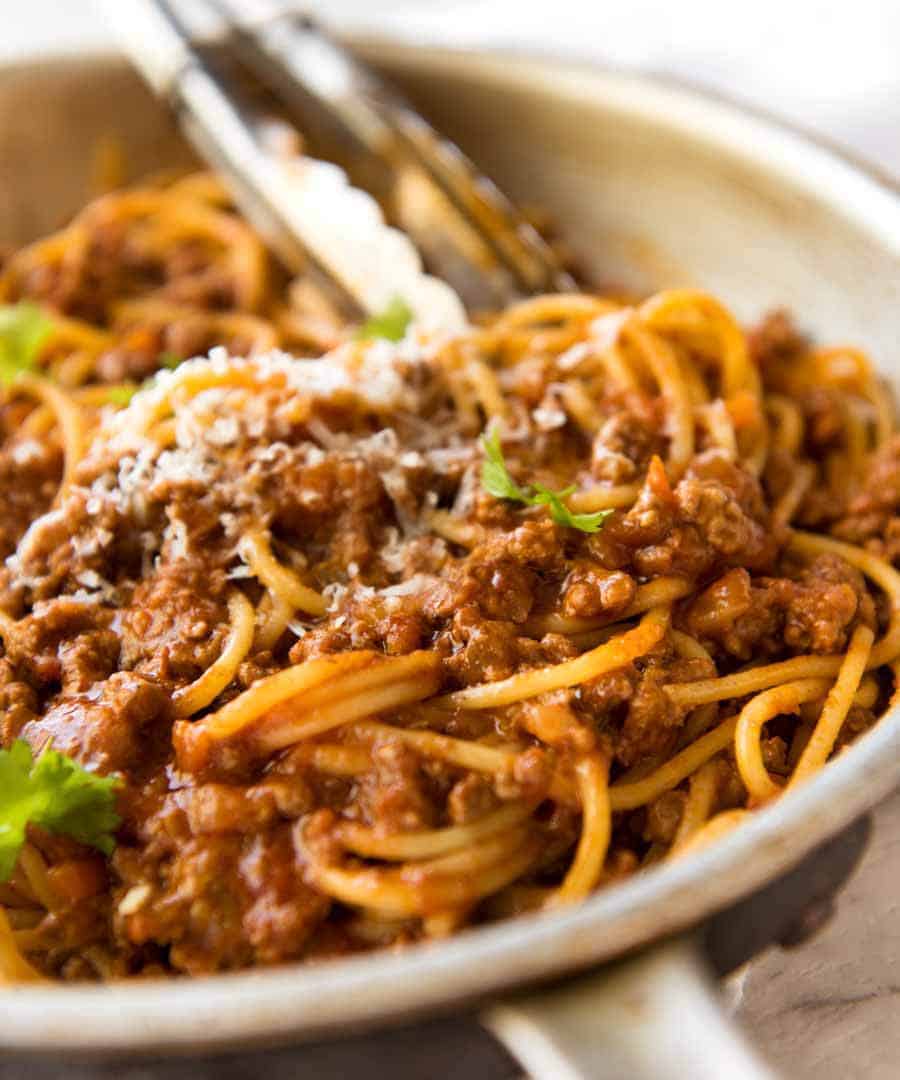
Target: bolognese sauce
pixel 376 639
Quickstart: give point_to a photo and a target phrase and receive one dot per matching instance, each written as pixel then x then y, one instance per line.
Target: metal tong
pixel 452 217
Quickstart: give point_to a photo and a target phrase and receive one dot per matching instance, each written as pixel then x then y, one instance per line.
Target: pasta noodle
pixel 713 830
pixel 430 844
pixel 596 827
pixel 213 681
pixel 311 699
pixel 628 796
pixel 446 881
pixel 837 704
pixel 418 633
pixel 702 792
pixel 782 699
pixel 612 654
pixel 287 590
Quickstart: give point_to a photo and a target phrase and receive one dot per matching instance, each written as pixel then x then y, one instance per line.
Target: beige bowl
pixel 652 185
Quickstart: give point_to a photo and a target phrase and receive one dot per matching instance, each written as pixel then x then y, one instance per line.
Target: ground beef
pixel 871 517
pixel 745 618
pixel 212 809
pixel 18 703
pixel 822 411
pixel 226 902
pixel 124 726
pixel 336 505
pixel 395 794
pixel 836 598
pixel 651 720
pixel 499 587
pixel 84 548
pixel 715 517
pixel 174 626
pixel 631 708
pixel 30 470
pixel 623 447
pixel 470 798
pixel 604 695
pixel 590 591
pixel 775 341
pixel 663 817
pixel 480 650
pixel 116 593
pixel 65 642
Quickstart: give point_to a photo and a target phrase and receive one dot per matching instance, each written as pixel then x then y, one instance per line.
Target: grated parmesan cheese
pixel 27 450
pixel 418 583
pixel 135 899
pixel 548 419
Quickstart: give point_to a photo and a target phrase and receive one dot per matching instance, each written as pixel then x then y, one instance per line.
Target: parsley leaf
pixel 496 481
pixel 23 330
pixel 562 515
pixel 56 793
pixel 391 323
pixel 495 478
pixel 170 360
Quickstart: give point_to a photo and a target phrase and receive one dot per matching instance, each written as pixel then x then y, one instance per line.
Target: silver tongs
pixel 451 216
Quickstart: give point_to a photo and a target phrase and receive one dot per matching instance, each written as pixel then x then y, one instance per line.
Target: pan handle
pixel 654 1016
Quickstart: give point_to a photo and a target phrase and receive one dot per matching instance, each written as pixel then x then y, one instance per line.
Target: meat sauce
pixel 119 597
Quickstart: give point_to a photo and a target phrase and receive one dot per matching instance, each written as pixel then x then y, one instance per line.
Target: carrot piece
pixel 77 879
pixel 743 408
pixel 658 480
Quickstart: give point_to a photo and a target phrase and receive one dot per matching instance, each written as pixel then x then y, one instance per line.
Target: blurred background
pixel 828 64
pixel 827 1011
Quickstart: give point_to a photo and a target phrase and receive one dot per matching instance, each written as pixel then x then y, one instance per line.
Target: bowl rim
pixel 301 1002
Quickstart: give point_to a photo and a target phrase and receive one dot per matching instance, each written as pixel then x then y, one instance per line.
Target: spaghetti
pixel 360 682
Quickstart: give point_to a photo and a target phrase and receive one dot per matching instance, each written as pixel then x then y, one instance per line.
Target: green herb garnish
pixel 391 323
pixel 57 793
pixel 170 360
pixel 121 395
pixel 496 481
pixel 24 328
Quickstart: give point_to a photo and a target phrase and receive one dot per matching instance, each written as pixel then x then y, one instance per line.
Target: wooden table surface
pixel 830 1010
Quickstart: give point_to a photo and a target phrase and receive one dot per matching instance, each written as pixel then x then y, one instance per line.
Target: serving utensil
pixel 485 255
